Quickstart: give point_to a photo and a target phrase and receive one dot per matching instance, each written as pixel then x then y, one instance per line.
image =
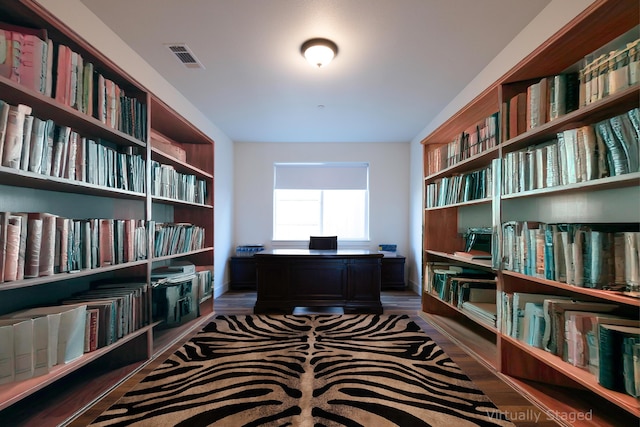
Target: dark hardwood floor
pixel 394 302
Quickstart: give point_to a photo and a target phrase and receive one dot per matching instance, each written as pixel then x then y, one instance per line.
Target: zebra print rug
pixel 307 370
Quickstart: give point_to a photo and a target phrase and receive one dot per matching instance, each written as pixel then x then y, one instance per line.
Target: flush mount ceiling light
pixel 319 52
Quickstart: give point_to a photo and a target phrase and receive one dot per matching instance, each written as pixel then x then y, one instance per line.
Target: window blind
pixel 321 176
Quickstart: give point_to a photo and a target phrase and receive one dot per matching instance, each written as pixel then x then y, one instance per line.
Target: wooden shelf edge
pixel 176 202
pixel 19 177
pixel 580 376
pixel 478 159
pixel 177 162
pixel 18 284
pixel 571 120
pixel 181 254
pixel 613 296
pixel 60 112
pixel 471 317
pixel 486 200
pixel 474 262
pixel 619 181
pixel 450 329
pixel 16 391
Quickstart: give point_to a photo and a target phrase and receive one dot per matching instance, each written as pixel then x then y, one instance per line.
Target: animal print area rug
pixel 309 370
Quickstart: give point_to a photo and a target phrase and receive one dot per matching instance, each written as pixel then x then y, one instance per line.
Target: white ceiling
pixel 399 62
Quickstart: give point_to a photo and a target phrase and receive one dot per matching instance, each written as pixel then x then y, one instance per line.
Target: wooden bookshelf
pixel 77 384
pixel 557 387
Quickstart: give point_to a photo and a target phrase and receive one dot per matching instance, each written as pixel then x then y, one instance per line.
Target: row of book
pixel 602 256
pixel 543 101
pixel 175 238
pixel 36 62
pixel 605 74
pixel 588 335
pixel 42 244
pixel 41 146
pixel 479 137
pixel 167 182
pixel 470 290
pixel 34 340
pixel 607 148
pixel 460 188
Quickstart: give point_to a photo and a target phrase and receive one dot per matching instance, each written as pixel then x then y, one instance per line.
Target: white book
pixel 47 345
pixel 14 135
pixel 26 142
pixel 7 374
pixel 22 347
pixel 70 340
pixel 37 145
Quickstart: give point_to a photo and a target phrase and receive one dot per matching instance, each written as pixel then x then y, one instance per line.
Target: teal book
pixel 610 343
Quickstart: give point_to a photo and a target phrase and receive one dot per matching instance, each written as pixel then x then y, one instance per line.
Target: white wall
pixel 80 19
pixel 388 185
pixel 549 21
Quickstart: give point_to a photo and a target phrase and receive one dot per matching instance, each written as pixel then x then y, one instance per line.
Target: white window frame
pixel 322 176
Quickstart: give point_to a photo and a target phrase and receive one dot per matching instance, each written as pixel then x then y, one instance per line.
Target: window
pixel 321 199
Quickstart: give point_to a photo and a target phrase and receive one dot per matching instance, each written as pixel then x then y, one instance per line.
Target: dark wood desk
pixel 289 278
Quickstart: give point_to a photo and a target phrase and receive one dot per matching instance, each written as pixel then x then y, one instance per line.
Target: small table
pixel 392 272
pixel 242 272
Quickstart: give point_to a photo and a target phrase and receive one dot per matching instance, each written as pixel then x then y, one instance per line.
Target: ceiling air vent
pixel 184 55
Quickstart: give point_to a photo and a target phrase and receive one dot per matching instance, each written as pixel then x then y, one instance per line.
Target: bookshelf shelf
pixel 161 157
pixel 482 347
pixel 169 201
pixel 578 375
pixel 483 263
pixel 600 294
pixel 182 254
pixel 14 392
pixel 20 178
pixel 618 181
pixel 613 104
pixel 59 277
pixel 477 161
pixel 484 201
pixel 541 376
pixel 142 116
pixel 48 108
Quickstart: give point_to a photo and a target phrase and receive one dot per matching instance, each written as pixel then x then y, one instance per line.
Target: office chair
pixel 323 242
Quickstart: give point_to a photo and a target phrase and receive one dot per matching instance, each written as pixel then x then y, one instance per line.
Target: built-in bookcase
pixel 571 394
pixel 161 136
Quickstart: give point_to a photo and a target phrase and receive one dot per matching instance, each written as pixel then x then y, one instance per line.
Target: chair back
pixel 323 242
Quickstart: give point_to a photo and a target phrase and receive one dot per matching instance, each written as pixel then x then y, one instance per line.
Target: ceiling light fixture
pixel 319 52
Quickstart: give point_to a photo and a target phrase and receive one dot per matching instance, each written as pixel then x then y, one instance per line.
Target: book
pixel 618 163
pixel 473 254
pixel 611 373
pixel 61 254
pixel 4 116
pixel 533 324
pixel 14 135
pixel 47 246
pixel 4 222
pixel 12 248
pixel 70 339
pixel 7 374
pixel 517 114
pixel 625 133
pixel 554 309
pixel 22 347
pixel 24 222
pixel 519 302
pixel 26 142
pixel 32 253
